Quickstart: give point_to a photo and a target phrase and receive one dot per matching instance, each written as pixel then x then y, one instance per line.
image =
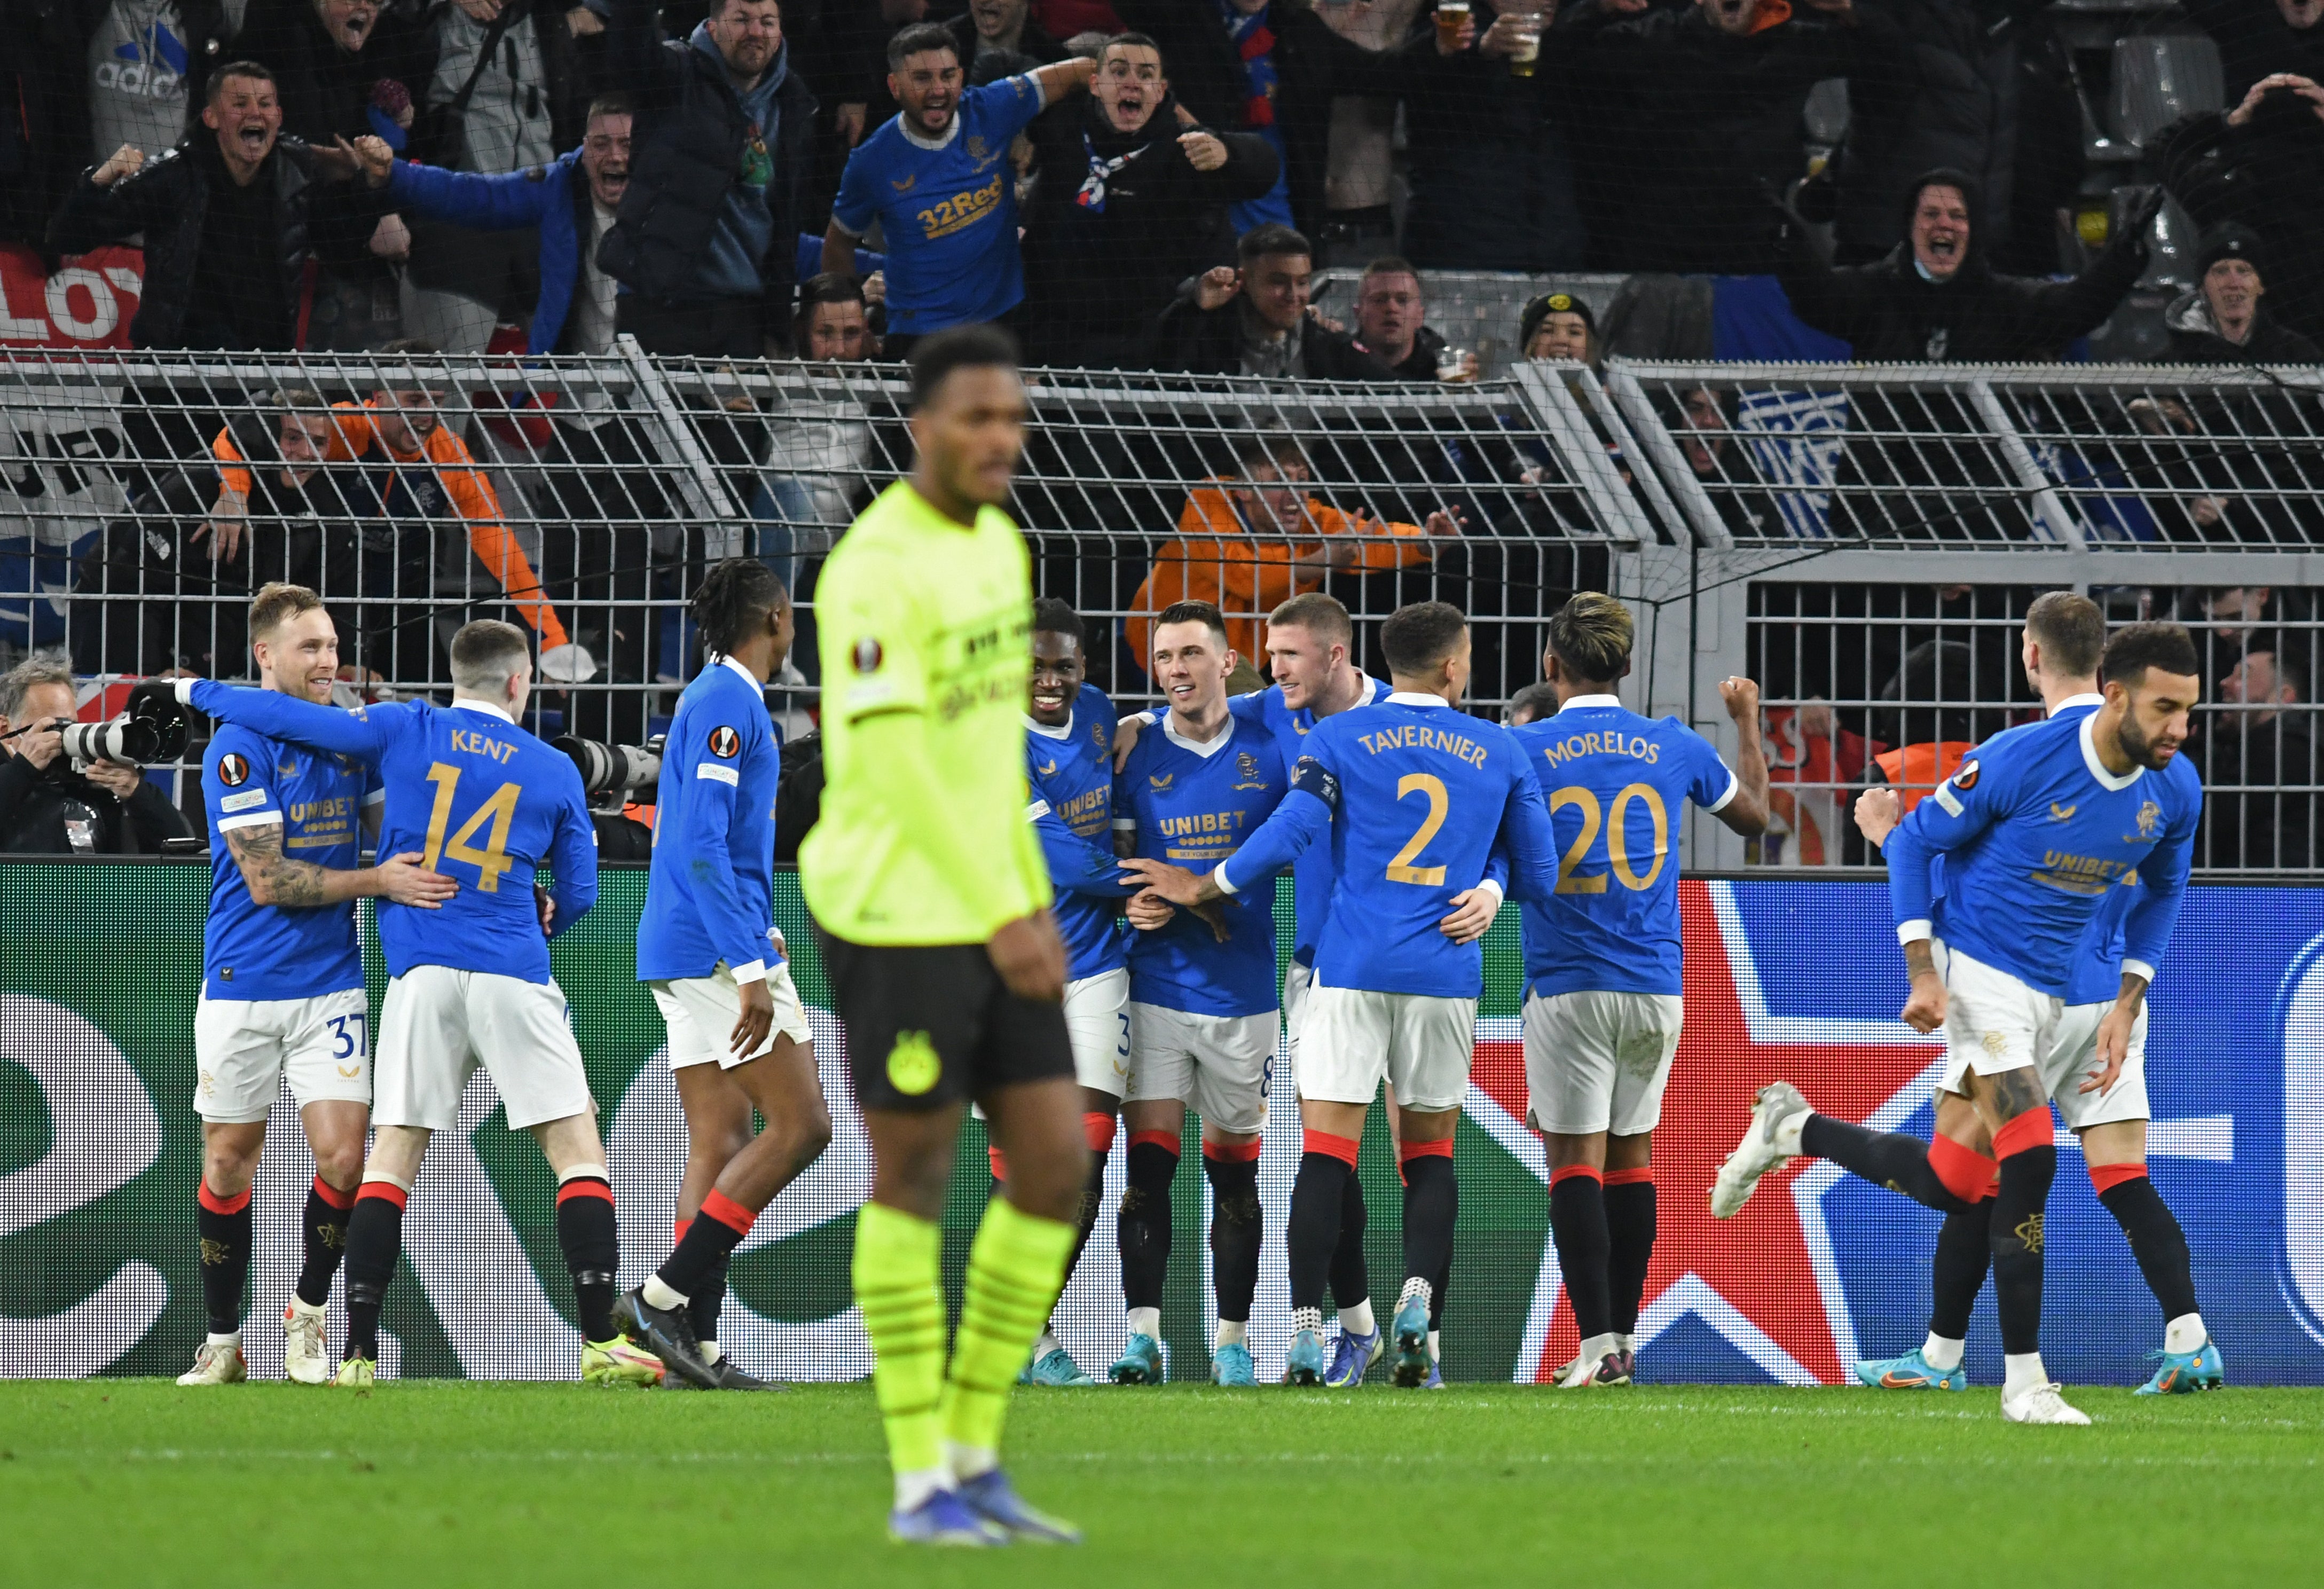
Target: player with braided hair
pixel 708 948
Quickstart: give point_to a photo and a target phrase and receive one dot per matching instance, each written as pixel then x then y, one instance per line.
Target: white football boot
pixel 217 1362
pixel 1773 1137
pixel 306 1350
pixel 2040 1404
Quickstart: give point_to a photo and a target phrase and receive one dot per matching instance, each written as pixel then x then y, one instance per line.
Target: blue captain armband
pixel 1313 778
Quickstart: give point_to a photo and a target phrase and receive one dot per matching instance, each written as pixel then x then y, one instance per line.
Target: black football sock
pixel 699 1261
pixel 2028 1168
pixel 1577 1222
pixel 1143 1225
pixel 1432 1207
pixel 1630 1236
pixel 374 1241
pixel 1100 1130
pixel 223 1224
pixel 1236 1230
pixel 326 1230
pixel 1438 1290
pixel 2155 1239
pixel 1964 1252
pixel 1884 1158
pixel 1352 1280
pixel 591 1240
pixel 708 1302
pixel 1317 1199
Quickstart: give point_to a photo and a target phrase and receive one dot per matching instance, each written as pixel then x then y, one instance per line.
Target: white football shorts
pixel 2066 1042
pixel 700 1013
pixel 1097 1019
pixel 438 1025
pixel 1219 1066
pixel 1351 1039
pixel 1296 981
pixel 245 1048
pixel 1598 1061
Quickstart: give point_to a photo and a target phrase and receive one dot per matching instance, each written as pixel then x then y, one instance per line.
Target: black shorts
pixel 929 1026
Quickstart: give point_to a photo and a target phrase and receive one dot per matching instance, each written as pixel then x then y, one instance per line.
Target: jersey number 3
pixel 1401 869
pixel 500 810
pixel 1617 843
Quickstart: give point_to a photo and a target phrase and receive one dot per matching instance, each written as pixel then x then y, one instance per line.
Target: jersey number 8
pixel 1617 844
pixel 499 811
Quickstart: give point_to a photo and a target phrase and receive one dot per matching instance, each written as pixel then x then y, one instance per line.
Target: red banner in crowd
pixel 87 304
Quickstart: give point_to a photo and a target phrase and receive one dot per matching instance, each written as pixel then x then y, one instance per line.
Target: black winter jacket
pixel 1962 113
pixel 1208 342
pixel 2195 337
pixel 1890 314
pixel 1096 277
pixel 167 199
pixel 44 811
pixel 686 148
pixel 325 91
pixel 1715 120
pixel 2262 175
pixel 1313 64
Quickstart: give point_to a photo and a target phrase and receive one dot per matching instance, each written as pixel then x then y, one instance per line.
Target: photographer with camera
pixel 74 788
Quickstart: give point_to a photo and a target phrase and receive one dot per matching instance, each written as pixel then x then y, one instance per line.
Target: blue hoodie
pixel 746 227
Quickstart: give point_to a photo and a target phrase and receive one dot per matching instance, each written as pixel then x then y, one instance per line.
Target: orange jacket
pixel 1916 770
pixel 1217 557
pixel 352 436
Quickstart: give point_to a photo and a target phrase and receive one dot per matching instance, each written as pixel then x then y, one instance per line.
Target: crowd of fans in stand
pixel 1128 183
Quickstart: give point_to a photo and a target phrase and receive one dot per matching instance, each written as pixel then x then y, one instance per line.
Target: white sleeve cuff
pixel 1218 876
pixel 376 797
pixel 1125 824
pixel 250 819
pixel 1492 886
pixel 2139 969
pixel 1918 932
pixel 184 690
pixel 1734 788
pixel 750 971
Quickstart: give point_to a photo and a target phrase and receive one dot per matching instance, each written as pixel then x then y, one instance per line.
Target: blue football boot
pixel 991 1497
pixel 1352 1356
pixel 1303 1364
pixel 1231 1365
pixel 1413 1362
pixel 1140 1362
pixel 2183 1374
pixel 1055 1366
pixel 1912 1372
pixel 942 1518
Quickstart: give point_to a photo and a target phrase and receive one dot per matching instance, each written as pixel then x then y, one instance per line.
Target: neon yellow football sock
pixel 1015 1272
pixel 896 1276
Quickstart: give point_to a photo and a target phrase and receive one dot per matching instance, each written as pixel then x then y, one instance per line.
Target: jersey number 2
pixel 499 811
pixel 1401 869
pixel 1617 843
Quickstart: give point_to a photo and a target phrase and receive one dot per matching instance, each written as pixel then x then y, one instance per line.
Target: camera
pixel 614 769
pixel 154 729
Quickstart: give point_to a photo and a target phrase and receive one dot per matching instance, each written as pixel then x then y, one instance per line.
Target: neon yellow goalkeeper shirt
pixel 925 629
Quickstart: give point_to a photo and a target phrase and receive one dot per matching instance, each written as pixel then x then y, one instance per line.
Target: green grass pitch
pixel 434 1485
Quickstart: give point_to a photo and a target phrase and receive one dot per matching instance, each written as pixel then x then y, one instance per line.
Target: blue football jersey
pixel 710 889
pixel 1614 781
pixel 1070 774
pixel 1311 875
pixel 253 951
pixel 1414 798
pixel 2035 835
pixel 1195 805
pixel 949 213
pixel 481 798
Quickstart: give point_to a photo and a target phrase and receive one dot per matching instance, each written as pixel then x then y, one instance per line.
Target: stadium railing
pixel 1862 539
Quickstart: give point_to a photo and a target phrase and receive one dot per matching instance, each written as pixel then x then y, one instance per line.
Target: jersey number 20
pixel 500 810
pixel 1617 843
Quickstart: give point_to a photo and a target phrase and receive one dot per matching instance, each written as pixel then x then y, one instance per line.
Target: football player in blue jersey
pixel 1202 1004
pixel 2065 635
pixel 708 949
pixel 486 803
pixel 1069 769
pixel 283 985
pixel 1309 641
pixel 2036 832
pixel 1422 805
pixel 1603 972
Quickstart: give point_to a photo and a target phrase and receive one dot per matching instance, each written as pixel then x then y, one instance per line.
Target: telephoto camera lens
pixel 613 768
pixel 128 740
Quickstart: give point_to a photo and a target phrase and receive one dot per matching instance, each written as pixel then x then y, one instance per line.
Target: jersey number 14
pixel 499 811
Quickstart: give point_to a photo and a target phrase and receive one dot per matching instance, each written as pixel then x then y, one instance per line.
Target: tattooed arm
pixel 275 878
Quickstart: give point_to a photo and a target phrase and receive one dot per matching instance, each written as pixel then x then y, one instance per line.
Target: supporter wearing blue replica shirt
pixel 1603 976
pixel 940 182
pixel 2038 832
pixel 282 983
pixel 1202 1002
pixel 485 804
pixel 709 950
pixel 1069 769
pixel 1416 798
